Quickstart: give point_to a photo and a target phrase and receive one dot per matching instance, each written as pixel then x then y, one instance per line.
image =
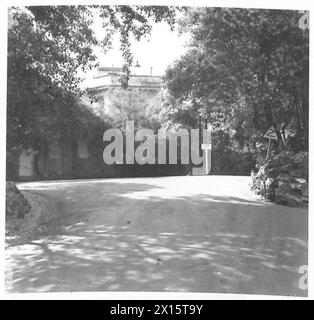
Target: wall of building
pixel 78 157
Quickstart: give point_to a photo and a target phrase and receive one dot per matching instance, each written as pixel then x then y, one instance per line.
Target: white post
pixel 268 148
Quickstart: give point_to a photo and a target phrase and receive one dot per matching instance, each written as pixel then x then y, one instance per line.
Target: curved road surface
pixel 188 234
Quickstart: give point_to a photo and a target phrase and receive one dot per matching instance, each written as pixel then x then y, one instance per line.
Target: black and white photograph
pixel 154 148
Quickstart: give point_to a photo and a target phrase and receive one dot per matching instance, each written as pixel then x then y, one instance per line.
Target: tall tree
pixel 47 45
pixel 247 70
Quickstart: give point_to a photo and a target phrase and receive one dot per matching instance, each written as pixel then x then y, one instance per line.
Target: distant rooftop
pixel 108 77
pixel 107 70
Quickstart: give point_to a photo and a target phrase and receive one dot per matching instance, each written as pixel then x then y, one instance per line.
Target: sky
pixel 157 50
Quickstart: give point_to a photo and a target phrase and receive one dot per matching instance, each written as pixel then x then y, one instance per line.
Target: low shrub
pixel 283 178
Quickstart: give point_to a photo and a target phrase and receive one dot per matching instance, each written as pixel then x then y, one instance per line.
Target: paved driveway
pixel 200 234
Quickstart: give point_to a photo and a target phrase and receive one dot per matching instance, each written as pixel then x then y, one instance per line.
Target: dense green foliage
pixel 47 47
pixel 139 105
pixel 283 178
pixel 246 71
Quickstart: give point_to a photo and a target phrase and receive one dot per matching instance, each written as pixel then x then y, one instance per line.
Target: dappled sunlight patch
pixel 65 239
pixel 179 194
pixel 200 255
pixel 26 250
pixel 56 247
pixel 270 264
pixel 134 275
pixel 100 258
pixel 123 245
pixel 297 241
pixel 233 273
pixel 287 253
pixel 255 256
pixel 149 260
pixel 44 288
pixel 113 287
pixel 203 240
pixel 160 250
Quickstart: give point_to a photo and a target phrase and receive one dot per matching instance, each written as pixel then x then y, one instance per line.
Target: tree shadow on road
pixel 192 244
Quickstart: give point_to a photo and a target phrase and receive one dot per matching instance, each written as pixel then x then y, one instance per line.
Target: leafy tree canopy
pixel 47 45
pixel 246 70
pixel 139 105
